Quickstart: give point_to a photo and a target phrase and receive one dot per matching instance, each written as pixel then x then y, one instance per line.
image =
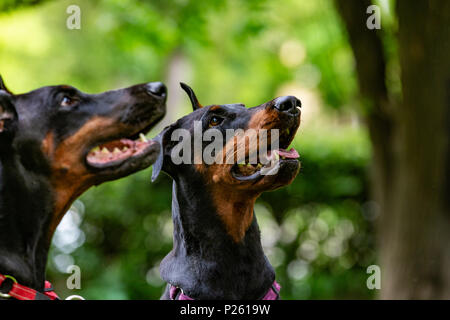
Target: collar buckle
pixel 14 281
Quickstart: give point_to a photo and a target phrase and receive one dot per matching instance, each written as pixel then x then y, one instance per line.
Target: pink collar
pixel 177 293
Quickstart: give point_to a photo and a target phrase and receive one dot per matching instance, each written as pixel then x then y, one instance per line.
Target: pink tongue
pixel 291 154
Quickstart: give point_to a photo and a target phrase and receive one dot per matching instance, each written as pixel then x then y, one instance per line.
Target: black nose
pixel 288 104
pixel 157 89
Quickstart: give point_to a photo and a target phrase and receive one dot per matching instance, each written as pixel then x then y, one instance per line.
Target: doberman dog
pixel 217 251
pixel 55 143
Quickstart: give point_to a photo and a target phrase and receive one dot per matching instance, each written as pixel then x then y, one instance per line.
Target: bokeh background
pixel 318 232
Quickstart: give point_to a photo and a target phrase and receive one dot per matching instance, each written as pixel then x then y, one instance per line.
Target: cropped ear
pixel 8 118
pixel 195 104
pixel 3 86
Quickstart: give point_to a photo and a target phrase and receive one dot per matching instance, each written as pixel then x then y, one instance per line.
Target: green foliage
pixel 6 5
pixel 317 232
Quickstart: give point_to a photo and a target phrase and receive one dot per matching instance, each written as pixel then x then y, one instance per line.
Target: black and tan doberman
pixel 217 251
pixel 55 143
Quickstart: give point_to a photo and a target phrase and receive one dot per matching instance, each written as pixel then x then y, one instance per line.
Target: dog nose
pixel 289 104
pixel 157 89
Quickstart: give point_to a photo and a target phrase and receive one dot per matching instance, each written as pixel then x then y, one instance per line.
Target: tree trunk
pixel 415 246
pixel 411 147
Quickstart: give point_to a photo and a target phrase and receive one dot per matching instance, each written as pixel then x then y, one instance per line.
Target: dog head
pixel 244 158
pixel 232 154
pixel 75 140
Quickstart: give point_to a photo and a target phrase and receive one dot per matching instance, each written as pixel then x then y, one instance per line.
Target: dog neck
pixel 25 213
pixel 206 262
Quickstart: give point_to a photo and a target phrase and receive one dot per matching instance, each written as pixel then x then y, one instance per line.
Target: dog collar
pixel 176 293
pixel 20 292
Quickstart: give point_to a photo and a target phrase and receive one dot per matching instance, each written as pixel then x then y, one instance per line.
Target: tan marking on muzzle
pixel 70 177
pixel 266 118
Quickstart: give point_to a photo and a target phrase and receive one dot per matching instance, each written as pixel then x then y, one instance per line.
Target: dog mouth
pixel 246 171
pixel 255 169
pixel 116 152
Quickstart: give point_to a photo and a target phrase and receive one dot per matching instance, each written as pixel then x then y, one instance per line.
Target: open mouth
pixel 116 152
pixel 247 170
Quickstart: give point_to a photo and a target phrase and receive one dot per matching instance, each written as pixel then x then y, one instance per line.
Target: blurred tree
pixel 410 137
pixel 6 5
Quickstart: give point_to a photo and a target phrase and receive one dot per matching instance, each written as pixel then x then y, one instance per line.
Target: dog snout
pixel 288 104
pixel 157 89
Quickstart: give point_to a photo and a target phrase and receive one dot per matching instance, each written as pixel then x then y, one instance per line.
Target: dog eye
pixel 68 102
pixel 215 121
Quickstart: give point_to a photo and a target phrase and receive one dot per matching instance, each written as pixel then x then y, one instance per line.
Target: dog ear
pixel 195 104
pixel 158 165
pixel 8 118
pixel 3 86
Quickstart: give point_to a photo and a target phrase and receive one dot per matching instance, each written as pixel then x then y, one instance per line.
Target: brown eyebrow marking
pixel 214 108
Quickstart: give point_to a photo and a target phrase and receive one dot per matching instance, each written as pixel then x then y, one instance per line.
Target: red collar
pixel 20 292
pixel 273 293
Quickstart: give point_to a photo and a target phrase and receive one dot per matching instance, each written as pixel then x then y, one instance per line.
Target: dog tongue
pixel 291 154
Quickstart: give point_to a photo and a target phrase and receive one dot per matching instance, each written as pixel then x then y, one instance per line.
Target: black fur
pixel 205 261
pixel 27 197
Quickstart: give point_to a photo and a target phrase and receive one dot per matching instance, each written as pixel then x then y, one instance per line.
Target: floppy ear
pixel 3 86
pixel 8 118
pixel 195 104
pixel 158 165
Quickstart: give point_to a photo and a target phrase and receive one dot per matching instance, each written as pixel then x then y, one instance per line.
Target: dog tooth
pixel 124 149
pixel 259 165
pixel 143 137
pixel 105 151
pixel 116 151
pixel 284 158
pixel 299 109
pixel 95 149
pixel 277 156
